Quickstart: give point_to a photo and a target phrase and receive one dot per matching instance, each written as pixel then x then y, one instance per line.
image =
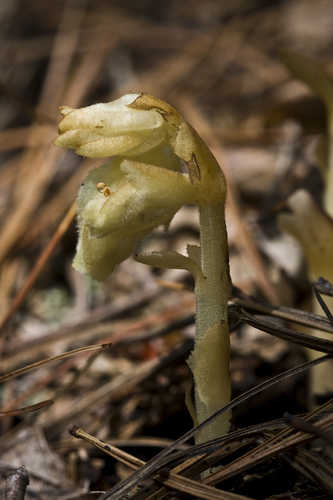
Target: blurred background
pixel 219 64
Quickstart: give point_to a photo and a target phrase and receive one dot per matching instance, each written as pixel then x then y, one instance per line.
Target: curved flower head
pixel 143 186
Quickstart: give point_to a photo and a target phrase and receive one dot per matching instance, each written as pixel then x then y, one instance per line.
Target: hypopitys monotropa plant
pixel 311 225
pixel 158 164
pixel 313 228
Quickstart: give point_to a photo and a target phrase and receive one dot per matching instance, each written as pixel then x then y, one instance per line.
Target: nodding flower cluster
pixel 140 188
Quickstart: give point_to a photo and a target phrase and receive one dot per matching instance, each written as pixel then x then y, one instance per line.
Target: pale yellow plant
pixel 313 228
pixel 159 163
pixel 311 225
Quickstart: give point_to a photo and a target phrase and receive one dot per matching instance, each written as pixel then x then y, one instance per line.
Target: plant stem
pixel 212 299
pixel 321 376
pixel 209 361
pixel 328 195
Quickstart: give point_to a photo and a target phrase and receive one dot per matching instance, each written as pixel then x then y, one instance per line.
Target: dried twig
pixel 59 357
pixel 158 461
pixel 172 480
pixel 16 484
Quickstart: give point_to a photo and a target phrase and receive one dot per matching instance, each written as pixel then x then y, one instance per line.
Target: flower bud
pixel 119 204
pixel 109 129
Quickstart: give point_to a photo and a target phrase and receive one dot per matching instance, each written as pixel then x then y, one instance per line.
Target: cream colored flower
pixel 143 186
pixel 120 203
pixel 109 129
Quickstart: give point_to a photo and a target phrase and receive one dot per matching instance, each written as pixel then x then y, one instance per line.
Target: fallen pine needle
pixel 37 364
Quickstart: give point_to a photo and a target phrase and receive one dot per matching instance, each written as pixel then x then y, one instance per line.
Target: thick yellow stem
pixel 209 361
